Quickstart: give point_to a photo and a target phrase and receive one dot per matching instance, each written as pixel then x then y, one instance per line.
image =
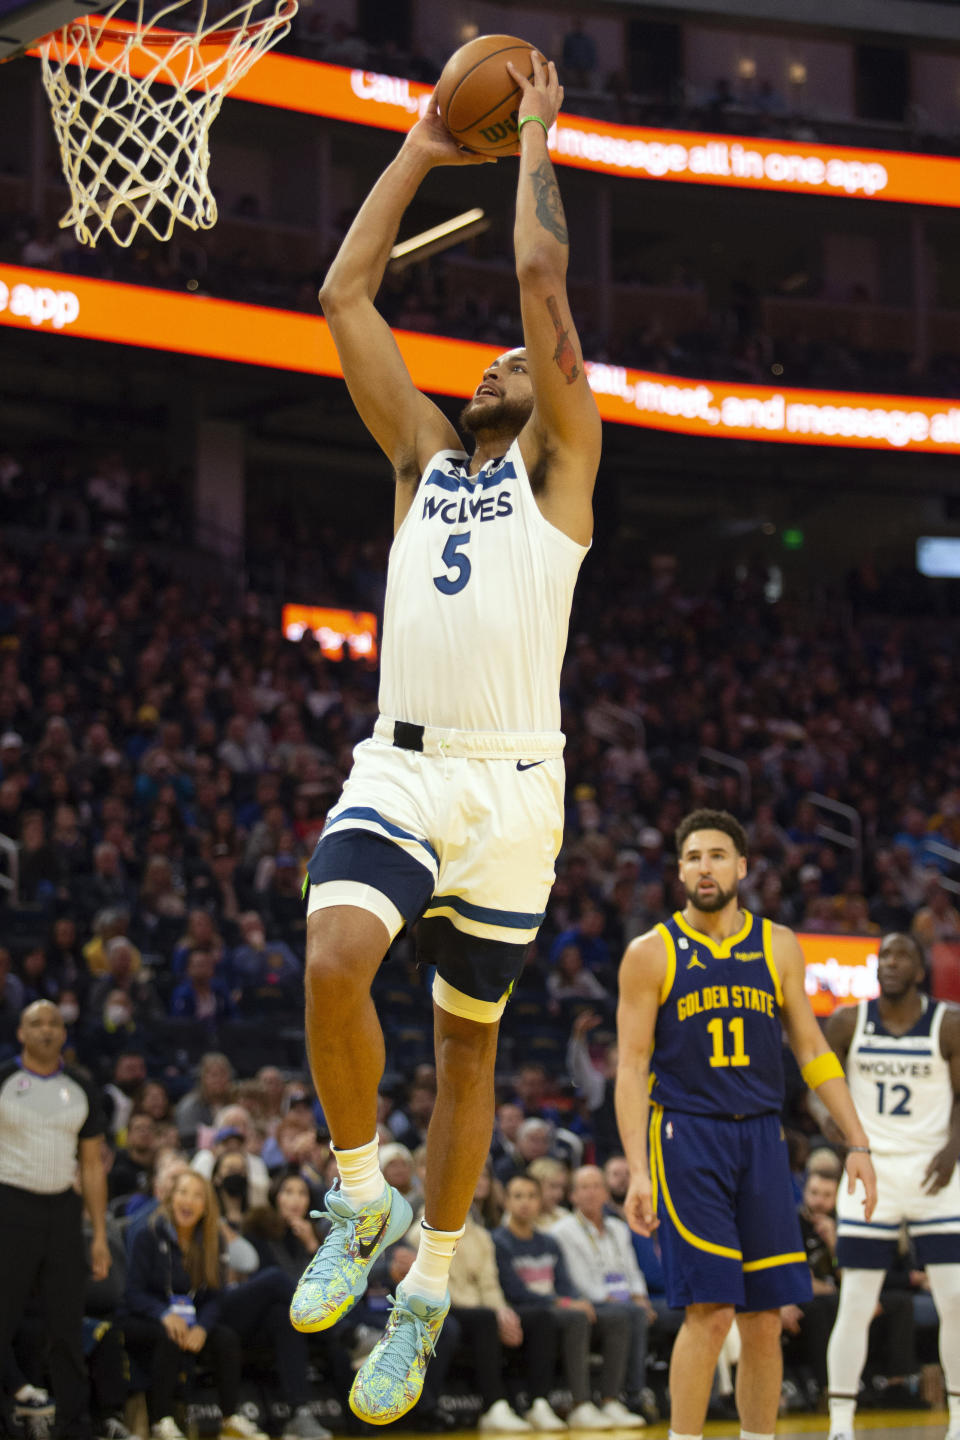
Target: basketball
pixel 476 96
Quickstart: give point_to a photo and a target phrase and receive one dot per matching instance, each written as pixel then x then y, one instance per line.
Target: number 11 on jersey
pixel 720 1056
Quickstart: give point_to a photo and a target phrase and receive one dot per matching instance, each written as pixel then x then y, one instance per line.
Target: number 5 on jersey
pixel 456 562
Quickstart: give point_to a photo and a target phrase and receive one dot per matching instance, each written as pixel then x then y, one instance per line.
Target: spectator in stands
pixel 132 1170
pixel 587 935
pixel 594 1079
pixel 109 1033
pixel 402 1174
pixel 410 1124
pixel 127 1075
pixel 268 973
pixel 199 1105
pixel 534 1138
pixel 124 974
pixel 578 57
pixel 201 995
pixel 109 924
pixel 530 1092
pixel 235 1132
pixel 534 1280
pixel 553 1177
pixel 938 919
pixel 11 987
pixel 603 1268
pixel 503 1145
pixel 570 980
pixel 176 1306
pixel 201 934
pixel 270 1080
pixel 65 963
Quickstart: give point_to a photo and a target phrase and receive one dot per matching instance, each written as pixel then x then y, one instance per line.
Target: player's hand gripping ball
pixel 478 98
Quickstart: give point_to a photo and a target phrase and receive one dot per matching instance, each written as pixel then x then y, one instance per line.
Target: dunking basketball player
pixel 703 998
pixel 453 810
pixel 902 1055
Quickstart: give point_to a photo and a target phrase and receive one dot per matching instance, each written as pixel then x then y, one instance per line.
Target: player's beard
pixel 478 416
pixel 709 904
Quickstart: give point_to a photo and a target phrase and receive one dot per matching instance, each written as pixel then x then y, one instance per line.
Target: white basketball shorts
pixel 932 1221
pixel 458 831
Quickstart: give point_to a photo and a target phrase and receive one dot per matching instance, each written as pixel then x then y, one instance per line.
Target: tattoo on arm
pixel 548 203
pixel 565 356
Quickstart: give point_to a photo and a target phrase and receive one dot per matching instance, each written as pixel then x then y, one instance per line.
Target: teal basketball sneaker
pixel 337 1275
pixel 390 1380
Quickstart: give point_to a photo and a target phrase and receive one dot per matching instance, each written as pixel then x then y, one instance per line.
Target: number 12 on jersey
pixel 456 562
pixel 720 1056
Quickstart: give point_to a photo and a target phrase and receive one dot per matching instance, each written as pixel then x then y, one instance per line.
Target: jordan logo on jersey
pixel 695 961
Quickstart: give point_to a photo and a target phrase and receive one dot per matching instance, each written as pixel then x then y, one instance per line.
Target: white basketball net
pixel 132 108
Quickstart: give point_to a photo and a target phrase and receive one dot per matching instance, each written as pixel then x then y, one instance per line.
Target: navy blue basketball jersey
pixel 718 1047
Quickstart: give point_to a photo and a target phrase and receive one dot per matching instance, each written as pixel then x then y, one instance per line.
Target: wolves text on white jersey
pixel 479 589
pixel 901 1083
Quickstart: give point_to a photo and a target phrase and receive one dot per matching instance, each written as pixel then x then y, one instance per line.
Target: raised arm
pixel 564 429
pixel 642 973
pixel 407 426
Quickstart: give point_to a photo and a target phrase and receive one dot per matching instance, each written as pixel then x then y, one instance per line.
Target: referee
pixel 48 1114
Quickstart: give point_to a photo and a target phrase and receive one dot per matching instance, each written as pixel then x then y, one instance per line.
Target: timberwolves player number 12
pixel 902 1053
pixel 704 998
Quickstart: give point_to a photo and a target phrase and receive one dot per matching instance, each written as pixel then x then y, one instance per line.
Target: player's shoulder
pixel 950 1028
pixel 841 1024
pixel 646 955
pixel 784 947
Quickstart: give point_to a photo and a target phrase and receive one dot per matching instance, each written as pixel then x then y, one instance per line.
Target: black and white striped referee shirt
pixel 42 1120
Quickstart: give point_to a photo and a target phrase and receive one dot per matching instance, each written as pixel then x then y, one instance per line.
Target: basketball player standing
pixel 453 811
pixel 703 999
pixel 903 1059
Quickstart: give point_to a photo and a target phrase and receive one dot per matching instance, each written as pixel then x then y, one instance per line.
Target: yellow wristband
pixel 537 119
pixel 824 1067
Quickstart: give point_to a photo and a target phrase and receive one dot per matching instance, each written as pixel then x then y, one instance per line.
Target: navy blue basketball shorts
pixel 456 831
pixel 729 1231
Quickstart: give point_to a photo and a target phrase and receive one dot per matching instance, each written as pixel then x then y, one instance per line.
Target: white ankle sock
pixel 754 1435
pixel 953 1409
pixel 676 1435
pixel 842 1412
pixel 360 1179
pixel 428 1274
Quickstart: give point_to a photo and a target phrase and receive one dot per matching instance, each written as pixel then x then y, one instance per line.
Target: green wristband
pixel 537 119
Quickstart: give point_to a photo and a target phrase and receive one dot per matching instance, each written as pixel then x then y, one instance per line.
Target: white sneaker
pixel 501 1420
pixel 541 1417
pixel 240 1427
pixel 588 1417
pixel 623 1418
pixel 166 1429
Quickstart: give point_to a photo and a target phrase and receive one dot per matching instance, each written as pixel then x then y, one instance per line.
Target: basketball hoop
pixel 132 106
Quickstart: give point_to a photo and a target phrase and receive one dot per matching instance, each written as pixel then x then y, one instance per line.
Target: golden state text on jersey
pixel 718 1043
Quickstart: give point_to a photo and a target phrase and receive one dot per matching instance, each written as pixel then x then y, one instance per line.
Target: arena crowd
pixel 166 762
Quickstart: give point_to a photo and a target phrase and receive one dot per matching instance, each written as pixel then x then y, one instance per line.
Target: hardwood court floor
pixel 882 1425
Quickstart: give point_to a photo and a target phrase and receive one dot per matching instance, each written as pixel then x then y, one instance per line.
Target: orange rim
pixel 121 32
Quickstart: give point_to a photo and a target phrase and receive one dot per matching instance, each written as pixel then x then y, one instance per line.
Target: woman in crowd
pixel 177 1306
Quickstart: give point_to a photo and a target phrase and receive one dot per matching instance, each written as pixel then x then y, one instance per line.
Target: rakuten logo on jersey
pixel 40 305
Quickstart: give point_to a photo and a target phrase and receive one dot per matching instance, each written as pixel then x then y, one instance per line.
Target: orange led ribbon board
pixel 64 305
pixel 388 102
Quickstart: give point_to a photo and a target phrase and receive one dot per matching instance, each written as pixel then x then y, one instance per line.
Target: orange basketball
pixel 477 96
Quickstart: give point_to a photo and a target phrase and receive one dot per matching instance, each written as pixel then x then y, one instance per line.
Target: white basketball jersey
pixel 901 1083
pixel 479 589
